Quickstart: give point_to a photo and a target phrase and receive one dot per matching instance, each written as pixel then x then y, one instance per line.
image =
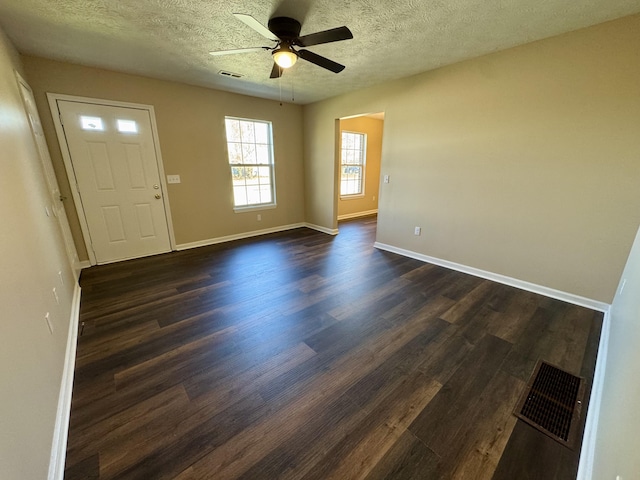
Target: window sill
pixel 352 197
pixel 253 208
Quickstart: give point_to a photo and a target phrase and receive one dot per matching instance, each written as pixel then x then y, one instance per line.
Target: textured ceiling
pixel 170 39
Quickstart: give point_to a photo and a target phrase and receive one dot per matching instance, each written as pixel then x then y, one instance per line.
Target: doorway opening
pixel 359 157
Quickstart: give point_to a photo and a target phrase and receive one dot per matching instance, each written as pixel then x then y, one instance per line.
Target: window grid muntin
pixel 250 156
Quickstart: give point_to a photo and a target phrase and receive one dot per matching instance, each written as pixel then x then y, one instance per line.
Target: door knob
pixel 157 195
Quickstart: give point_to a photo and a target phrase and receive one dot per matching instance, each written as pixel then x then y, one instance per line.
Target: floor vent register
pixel 552 403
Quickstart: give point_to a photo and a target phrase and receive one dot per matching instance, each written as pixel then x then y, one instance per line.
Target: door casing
pixel 55 197
pixel 53 99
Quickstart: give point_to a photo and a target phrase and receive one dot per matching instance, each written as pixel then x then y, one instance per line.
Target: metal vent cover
pixel 552 402
pixel 225 73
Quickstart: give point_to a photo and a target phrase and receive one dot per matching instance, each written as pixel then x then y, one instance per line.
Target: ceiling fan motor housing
pixel 285 28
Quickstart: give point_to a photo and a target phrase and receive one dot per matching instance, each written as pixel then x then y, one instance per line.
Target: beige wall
pixel 617 441
pixel 372 127
pixel 192 139
pixel 32 253
pixel 523 163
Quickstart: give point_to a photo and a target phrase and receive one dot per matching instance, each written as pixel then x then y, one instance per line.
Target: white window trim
pixel 272 166
pixel 355 196
pixel 251 208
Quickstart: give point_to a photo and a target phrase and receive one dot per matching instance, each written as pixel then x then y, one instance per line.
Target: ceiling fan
pixel 285 32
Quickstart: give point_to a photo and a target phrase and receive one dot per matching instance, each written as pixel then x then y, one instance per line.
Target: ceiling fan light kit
pixel 286 32
pixel 285 56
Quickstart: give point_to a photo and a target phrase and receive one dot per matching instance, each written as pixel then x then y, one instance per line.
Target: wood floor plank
pixel 459 395
pixel 482 439
pixel 122 425
pixel 180 442
pixel 408 459
pixel 386 378
pixel 303 452
pixel 361 449
pixel 303 355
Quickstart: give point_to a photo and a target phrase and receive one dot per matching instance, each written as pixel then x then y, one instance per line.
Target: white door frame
pixel 66 156
pixel 53 187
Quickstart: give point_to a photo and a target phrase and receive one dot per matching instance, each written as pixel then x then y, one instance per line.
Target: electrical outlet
pixel 374 198
pixel 173 178
pixel 259 217
pixel 49 324
pixel 417 231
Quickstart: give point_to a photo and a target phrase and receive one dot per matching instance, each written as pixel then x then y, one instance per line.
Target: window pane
pixel 240 195
pixel 235 153
pixel 262 154
pixel 252 176
pixel 347 141
pixel 265 194
pixel 91 123
pixel 262 133
pixel 233 130
pixel 249 153
pixel 253 195
pixel 265 175
pixel 247 133
pixel 127 126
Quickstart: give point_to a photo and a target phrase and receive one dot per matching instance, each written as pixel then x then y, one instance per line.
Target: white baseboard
pixel 330 231
pixel 84 264
pixel 238 236
pixel 61 429
pixel 587 453
pixel 358 214
pixel 496 277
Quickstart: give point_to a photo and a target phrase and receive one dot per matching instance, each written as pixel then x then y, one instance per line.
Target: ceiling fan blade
pixel 238 50
pixel 328 36
pixel 320 61
pixel 256 25
pixel 276 71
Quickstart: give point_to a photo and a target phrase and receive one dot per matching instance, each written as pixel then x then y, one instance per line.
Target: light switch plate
pixel 173 178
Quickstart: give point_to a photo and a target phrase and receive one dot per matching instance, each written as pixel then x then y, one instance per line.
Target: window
pixel 250 147
pixel 352 163
pixel 127 126
pixel 91 123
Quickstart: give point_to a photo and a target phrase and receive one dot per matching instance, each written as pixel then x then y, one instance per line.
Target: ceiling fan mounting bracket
pixel 285 28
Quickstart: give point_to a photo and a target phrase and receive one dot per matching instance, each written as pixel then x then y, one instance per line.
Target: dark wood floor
pixel 304 356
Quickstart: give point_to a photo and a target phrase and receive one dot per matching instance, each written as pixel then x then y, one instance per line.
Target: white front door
pixel 116 168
